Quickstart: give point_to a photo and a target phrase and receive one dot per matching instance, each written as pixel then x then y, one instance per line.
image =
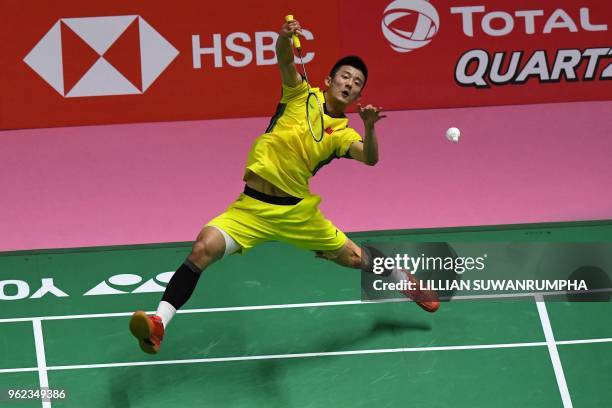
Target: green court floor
pixel 279 328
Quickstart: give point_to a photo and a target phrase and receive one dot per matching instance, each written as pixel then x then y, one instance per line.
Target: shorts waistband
pixel 258 195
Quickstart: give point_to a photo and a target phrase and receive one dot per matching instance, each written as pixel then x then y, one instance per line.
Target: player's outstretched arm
pixel 284 53
pixel 367 152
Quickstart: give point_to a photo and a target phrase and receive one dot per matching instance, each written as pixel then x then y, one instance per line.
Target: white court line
pixel 554 353
pixel 585 341
pixel 292 306
pixel 41 360
pixel 188 311
pixel 527 294
pixel 303 355
pixel 18 370
pixel 306 355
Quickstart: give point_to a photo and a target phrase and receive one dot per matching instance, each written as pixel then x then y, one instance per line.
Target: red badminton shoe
pixel 427 299
pixel 149 330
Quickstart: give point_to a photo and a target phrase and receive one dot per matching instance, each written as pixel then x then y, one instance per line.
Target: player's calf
pixel 210 246
pixel 349 255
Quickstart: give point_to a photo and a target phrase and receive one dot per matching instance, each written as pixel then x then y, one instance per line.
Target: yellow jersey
pixel 287 155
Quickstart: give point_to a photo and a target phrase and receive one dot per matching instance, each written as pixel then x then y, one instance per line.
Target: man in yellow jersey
pixel 277 203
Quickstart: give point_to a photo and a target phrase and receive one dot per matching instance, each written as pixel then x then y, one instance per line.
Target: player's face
pixel 346 85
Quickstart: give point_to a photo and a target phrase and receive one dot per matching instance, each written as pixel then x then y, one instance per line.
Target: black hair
pixel 353 61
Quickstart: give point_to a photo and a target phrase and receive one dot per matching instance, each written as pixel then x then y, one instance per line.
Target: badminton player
pixel 276 203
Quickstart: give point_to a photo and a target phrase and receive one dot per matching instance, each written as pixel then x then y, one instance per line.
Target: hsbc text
pixel 238 49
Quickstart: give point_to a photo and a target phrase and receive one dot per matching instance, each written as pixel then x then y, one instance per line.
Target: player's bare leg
pixel 351 254
pixel 209 247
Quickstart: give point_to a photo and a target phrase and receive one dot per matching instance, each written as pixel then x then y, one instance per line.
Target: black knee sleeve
pixel 182 284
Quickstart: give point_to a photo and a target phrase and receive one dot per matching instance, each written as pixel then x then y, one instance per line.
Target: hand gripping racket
pixel 314 107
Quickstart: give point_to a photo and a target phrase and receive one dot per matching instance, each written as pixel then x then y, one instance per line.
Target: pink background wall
pixel 160 182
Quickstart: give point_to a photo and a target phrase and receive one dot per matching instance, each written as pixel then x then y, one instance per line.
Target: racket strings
pixel 316 127
pixel 317 130
pixel 299 51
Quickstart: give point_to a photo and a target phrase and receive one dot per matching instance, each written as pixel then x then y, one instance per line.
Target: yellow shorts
pixel 250 222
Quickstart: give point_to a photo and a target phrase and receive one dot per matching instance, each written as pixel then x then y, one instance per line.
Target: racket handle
pixel 296 40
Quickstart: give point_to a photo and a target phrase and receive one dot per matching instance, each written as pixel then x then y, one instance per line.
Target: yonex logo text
pixel 15 289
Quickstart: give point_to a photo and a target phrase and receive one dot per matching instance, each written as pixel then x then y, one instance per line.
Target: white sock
pixel 166 311
pixel 397 275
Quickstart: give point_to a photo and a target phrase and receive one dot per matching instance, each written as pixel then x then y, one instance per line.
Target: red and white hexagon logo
pixel 99 56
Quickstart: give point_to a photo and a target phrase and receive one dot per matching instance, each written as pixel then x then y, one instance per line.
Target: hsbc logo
pixel 101 56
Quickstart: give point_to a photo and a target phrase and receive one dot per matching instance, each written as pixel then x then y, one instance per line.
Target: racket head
pixel 314 116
